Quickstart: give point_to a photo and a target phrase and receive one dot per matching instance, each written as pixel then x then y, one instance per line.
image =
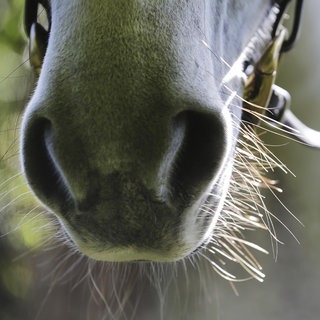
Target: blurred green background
pixel 291 290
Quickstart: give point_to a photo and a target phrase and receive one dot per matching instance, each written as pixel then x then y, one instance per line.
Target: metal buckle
pixel 38 43
pixel 259 83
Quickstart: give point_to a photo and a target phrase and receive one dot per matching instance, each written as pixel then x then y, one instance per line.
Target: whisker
pixel 20 197
pixel 244 207
pixel 9 180
pixel 2 79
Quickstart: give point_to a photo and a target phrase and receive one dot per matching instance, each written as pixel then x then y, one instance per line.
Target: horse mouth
pixel 143 229
pixel 131 230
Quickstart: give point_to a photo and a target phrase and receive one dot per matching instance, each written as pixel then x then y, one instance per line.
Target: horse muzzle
pixel 126 136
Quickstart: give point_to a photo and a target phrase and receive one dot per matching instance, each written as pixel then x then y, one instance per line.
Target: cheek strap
pixel 37 34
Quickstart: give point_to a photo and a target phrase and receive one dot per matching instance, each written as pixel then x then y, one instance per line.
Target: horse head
pixel 130 135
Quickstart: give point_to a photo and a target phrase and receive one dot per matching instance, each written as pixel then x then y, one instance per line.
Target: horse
pixel 139 136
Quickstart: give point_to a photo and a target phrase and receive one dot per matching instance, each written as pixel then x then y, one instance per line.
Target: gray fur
pixel 127 133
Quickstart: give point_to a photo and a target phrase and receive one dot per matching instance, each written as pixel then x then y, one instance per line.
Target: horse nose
pixel 62 165
pixel 124 182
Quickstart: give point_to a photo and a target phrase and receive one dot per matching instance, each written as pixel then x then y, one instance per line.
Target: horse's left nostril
pixel 39 166
pixel 200 154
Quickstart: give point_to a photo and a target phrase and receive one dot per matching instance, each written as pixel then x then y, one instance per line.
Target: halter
pixel 37 34
pixel 262 98
pixel 265 100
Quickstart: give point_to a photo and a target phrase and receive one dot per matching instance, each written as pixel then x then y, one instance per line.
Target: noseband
pixel 256 67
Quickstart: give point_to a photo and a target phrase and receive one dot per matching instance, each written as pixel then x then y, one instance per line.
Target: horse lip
pixel 138 221
pixel 109 231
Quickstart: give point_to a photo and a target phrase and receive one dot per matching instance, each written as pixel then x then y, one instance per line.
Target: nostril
pixel 200 154
pixel 39 165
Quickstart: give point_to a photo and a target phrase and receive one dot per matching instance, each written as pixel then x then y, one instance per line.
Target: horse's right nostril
pixel 40 168
pixel 200 154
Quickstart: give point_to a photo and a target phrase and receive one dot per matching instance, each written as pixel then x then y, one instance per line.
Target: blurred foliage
pixel 13 75
pixel 19 225
pixel 15 83
pixel 10 25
